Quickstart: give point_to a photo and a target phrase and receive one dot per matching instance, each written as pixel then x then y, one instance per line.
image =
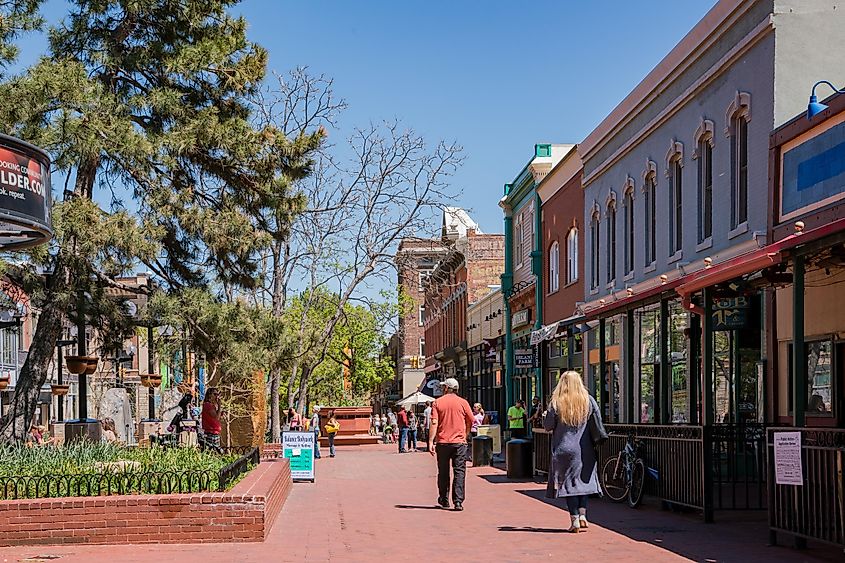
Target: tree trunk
pixel 275 412
pixel 303 389
pixel 14 426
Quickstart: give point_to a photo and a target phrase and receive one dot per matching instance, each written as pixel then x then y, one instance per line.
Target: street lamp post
pixel 815 107
pixel 151 407
pixel 61 398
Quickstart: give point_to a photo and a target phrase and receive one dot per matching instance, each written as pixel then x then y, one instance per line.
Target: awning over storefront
pixel 751 262
pixel 626 302
pixel 544 333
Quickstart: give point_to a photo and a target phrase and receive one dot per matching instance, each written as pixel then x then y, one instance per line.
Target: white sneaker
pixel 576 525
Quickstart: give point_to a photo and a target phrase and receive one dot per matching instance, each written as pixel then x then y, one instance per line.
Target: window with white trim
pixel 423 275
pixel 422 347
pixel 422 315
pixel 572 256
pixel 629 230
pixel 650 210
pixel 705 187
pixel 676 205
pixel 739 195
pixel 519 243
pixel 554 267
pixel 610 253
pixel 595 254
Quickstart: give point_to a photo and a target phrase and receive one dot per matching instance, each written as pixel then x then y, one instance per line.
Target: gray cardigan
pixel 573 468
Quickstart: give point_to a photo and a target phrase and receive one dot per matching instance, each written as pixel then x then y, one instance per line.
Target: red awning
pixel 754 261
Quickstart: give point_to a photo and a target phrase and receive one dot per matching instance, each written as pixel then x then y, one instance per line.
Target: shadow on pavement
pixel 418 506
pixel 532 529
pixel 736 535
pixel 501 479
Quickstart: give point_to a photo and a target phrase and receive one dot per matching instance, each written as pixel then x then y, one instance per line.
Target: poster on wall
pixel 788 467
pixel 298 448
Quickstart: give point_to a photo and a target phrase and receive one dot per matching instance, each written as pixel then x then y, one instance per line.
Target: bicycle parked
pixel 623 475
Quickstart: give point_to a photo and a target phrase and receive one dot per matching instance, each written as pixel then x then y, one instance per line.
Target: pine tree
pixel 148 99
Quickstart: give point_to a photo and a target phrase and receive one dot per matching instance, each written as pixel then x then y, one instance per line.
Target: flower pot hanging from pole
pixel 76 364
pixel 4 382
pixel 59 390
pixel 92 365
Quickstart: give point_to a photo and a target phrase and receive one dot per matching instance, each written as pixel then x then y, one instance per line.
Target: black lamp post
pixel 61 398
pixel 151 399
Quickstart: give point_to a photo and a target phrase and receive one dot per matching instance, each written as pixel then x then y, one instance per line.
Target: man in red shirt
pixel 402 420
pixel 451 421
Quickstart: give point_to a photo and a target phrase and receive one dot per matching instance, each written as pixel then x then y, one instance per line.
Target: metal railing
pixel 739 466
pixel 126 482
pixel 815 509
pixel 100 484
pixel 675 451
pixel 236 468
pixel 542 450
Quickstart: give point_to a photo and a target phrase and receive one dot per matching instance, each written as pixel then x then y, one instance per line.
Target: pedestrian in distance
pixel 315 427
pixel 516 420
pixel 451 421
pixel 427 420
pixel 402 422
pixel 210 417
pixel 332 428
pixel 413 424
pixel 573 474
pixel 536 418
pixel 478 418
pixel 294 420
pixel 376 425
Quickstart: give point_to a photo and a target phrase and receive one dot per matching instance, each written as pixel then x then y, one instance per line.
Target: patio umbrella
pixel 415 399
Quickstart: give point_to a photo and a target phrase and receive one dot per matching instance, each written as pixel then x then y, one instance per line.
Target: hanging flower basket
pixel 4 382
pixel 150 379
pixel 92 365
pixel 59 390
pixel 76 364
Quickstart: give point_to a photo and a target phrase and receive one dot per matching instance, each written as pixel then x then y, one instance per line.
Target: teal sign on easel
pixel 298 448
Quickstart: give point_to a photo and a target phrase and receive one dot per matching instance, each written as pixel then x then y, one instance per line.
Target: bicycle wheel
pixel 635 493
pixel 613 479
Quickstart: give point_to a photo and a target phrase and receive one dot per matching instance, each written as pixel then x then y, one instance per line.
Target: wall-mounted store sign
pixel 730 313
pixel 520 318
pixel 24 195
pixel 524 358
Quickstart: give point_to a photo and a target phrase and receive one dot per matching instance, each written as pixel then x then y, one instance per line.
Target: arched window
pixel 737 117
pixel 610 219
pixel 628 203
pixel 572 256
pixel 650 210
pixel 554 267
pixel 704 156
pixel 675 169
pixel 596 256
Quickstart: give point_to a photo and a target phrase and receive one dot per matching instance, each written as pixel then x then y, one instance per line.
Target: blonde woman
pixel 573 472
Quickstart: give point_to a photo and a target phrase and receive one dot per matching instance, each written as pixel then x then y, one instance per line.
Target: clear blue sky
pixel 496 76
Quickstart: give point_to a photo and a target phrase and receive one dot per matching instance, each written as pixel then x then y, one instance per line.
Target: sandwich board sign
pixel 298 448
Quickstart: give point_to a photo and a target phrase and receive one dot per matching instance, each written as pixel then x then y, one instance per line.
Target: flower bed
pixel 88 469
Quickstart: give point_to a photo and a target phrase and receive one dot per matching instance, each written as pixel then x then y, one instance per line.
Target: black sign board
pixel 730 313
pixel 524 358
pixel 24 194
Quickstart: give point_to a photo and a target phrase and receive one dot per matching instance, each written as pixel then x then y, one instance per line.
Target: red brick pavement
pixel 370 503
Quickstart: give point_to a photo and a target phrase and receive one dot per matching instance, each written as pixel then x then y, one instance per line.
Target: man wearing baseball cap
pixel 451 421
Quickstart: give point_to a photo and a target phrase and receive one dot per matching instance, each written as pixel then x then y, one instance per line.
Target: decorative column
pixel 665 380
pixel 799 360
pixel 603 382
pixel 630 412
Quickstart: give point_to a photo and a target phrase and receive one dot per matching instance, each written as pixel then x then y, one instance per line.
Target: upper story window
pixel 422 347
pixel 518 240
pixel 554 267
pixel 628 204
pixel 572 256
pixel 594 254
pixel 676 200
pixel 422 315
pixel 738 116
pixel 704 155
pixel 650 210
pixel 610 253
pixel 423 275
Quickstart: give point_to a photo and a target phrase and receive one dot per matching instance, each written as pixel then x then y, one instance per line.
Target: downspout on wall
pixel 537 266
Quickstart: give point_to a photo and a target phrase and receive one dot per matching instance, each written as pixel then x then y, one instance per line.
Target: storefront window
pixel 648 327
pixel 679 322
pixel 819 356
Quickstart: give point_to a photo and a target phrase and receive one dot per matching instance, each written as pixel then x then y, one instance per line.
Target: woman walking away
pixel 572 412
pixel 332 427
pixel 294 420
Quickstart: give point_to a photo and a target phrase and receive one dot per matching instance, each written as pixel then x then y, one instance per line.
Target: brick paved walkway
pixel 370 503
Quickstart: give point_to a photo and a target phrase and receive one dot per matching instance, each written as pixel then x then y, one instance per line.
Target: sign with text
pixel 730 313
pixel 495 432
pixel 788 468
pixel 524 358
pixel 24 194
pixel 520 318
pixel 298 448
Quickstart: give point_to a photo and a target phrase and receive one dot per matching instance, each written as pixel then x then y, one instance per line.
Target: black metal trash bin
pixel 482 451
pixel 520 464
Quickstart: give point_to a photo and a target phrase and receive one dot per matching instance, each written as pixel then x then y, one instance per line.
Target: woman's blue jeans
pixel 576 502
pixel 331 444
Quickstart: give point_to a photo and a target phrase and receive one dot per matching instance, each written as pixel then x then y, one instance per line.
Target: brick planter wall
pixel 244 514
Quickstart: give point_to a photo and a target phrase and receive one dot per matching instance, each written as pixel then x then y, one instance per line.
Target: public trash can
pixel 520 464
pixel 482 451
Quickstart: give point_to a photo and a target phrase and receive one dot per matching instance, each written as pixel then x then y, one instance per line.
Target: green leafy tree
pixel 147 101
